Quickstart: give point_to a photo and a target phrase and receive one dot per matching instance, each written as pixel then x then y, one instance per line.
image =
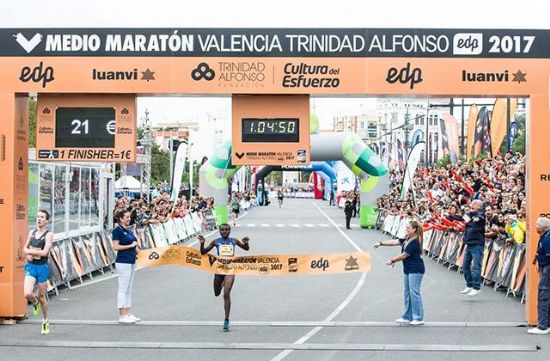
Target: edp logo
pixel 467 44
pixel 405 75
pixel 39 74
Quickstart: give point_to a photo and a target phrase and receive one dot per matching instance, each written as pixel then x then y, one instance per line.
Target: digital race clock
pixel 85 128
pixel 270 130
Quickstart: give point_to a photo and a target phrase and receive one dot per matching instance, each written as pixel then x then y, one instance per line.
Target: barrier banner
pixel 260 265
pixel 210 220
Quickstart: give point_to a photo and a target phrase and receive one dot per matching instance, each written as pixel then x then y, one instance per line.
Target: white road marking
pixel 338 309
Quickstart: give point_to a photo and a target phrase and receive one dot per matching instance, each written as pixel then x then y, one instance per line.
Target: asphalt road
pixel 337 317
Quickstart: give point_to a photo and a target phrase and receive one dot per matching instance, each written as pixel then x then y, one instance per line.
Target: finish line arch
pixel 289 61
pixel 347 147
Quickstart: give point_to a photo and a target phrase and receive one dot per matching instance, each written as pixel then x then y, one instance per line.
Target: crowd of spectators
pixel 160 209
pixel 442 195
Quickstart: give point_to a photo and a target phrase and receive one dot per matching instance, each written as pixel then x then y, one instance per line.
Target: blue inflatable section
pixel 321 167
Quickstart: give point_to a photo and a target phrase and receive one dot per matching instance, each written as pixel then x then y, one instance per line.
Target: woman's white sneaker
pixel 466 290
pixel 126 320
pixel 133 317
pixel 416 323
pixel 537 331
pixel 474 292
pixel 402 320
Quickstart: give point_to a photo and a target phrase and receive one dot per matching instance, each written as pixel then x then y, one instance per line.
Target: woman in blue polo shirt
pixel 413 268
pixel 125 243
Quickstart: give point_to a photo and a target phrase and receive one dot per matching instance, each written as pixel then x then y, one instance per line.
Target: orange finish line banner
pixel 261 265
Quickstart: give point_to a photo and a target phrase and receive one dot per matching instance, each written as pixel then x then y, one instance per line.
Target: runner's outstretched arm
pixel 244 244
pixel 208 248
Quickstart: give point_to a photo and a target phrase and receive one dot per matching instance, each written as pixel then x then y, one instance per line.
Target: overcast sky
pixel 525 14
pixel 506 14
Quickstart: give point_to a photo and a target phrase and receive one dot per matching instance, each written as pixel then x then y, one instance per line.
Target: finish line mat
pixel 261 265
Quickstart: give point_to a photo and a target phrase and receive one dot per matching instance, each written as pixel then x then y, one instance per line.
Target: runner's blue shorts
pixel 40 272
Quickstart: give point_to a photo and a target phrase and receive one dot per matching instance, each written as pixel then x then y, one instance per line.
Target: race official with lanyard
pixel 543 267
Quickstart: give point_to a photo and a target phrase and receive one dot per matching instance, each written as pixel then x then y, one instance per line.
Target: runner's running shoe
pixel 226 325
pixel 45 327
pixel 36 308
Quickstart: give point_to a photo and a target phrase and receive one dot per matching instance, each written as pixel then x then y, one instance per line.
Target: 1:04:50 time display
pixel 270 126
pixel 270 130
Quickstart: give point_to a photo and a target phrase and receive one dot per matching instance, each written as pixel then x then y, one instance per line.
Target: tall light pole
pixel 189 145
pixel 407 131
pixel 171 153
pixel 146 168
pixel 427 135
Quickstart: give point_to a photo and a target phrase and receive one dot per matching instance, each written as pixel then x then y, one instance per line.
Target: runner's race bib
pixel 226 250
pixel 35 249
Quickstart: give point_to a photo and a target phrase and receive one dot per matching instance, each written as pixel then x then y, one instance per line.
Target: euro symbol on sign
pixel 111 127
pixel 153 256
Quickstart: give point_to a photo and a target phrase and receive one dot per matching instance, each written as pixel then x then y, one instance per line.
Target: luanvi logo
pixel 405 75
pixel 37 74
pixel 26 44
pixel 203 71
pixel 504 76
pixel 467 44
pixel 239 155
pixel 351 264
pixel 123 74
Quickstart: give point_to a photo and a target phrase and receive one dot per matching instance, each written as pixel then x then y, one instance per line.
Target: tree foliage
pixel 32 122
pixel 518 143
pixel 160 165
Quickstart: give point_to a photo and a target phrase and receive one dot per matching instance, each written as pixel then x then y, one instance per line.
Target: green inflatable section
pixel 368 213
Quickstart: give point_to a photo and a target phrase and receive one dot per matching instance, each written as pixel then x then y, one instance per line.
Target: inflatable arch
pixel 321 167
pixel 348 147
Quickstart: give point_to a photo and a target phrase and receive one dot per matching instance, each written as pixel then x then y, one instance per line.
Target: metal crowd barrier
pixel 504 263
pixel 73 259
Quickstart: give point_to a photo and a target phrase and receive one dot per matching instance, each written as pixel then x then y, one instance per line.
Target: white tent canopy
pixel 127 182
